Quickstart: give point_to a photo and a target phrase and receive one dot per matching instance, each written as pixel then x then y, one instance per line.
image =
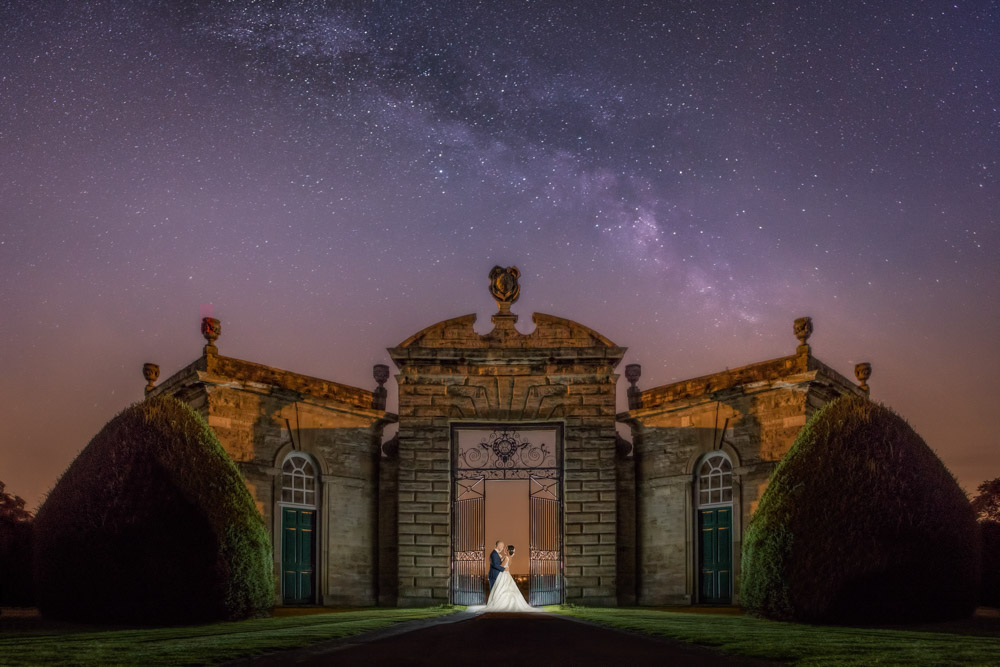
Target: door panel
pixel 298 554
pixel 716 549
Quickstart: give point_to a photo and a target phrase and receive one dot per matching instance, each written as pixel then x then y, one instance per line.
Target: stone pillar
pixel 625 494
pixel 424 502
pixel 591 522
pixel 327 527
pixel 690 555
pixel 388 527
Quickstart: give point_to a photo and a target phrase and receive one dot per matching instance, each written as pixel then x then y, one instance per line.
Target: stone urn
pixel 803 328
pixel 211 329
pixel 381 373
pixel 632 373
pixel 863 371
pixel 151 372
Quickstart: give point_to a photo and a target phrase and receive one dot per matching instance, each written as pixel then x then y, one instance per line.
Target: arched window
pixel 298 480
pixel 715 480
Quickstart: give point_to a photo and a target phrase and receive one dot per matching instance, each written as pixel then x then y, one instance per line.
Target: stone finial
pixel 863 371
pixel 152 373
pixel 803 329
pixel 632 373
pixel 381 373
pixel 211 329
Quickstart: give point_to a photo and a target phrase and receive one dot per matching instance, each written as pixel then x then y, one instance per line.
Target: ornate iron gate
pixel 469 542
pixel 505 455
pixel 545 542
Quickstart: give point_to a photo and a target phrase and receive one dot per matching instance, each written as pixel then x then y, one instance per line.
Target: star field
pixel 685 177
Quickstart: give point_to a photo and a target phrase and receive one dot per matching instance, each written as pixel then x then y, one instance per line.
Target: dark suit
pixel 496 567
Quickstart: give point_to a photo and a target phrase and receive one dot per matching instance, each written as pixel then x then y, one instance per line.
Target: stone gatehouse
pixel 356 520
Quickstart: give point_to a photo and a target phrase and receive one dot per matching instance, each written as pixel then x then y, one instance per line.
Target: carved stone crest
pixel 504 286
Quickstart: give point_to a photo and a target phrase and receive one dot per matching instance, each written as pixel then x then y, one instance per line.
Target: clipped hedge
pixel 860 523
pixel 152 523
pixel 990 533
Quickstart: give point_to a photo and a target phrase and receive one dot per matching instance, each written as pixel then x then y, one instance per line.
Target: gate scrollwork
pixel 504 454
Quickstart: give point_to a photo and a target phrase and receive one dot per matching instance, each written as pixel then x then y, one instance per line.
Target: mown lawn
pixel 975 641
pixel 31 644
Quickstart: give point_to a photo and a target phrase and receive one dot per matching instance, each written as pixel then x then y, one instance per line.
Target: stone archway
pixel 529 454
pixel 562 372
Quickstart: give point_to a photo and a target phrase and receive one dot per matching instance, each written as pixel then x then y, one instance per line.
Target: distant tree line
pixel 987 506
pixel 15 550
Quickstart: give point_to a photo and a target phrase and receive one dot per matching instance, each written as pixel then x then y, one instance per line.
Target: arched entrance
pixel 485 455
pixel 298 529
pixel 714 497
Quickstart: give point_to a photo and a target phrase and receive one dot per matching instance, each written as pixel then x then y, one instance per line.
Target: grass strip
pixel 198 644
pixel 807 645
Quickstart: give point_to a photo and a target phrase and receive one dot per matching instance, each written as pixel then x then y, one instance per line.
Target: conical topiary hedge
pixel 152 523
pixel 861 522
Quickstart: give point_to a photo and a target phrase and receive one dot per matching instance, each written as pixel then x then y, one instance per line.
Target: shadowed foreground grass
pixel 975 641
pixel 194 644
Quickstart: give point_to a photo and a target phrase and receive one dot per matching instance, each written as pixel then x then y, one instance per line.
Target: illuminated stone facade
pixel 636 526
pixel 561 372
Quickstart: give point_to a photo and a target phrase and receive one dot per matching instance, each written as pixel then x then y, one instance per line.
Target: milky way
pixel 328 178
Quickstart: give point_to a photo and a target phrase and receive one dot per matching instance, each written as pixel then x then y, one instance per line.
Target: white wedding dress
pixel 505 596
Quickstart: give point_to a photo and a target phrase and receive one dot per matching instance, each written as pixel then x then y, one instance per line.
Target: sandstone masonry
pixel 561 372
pixel 656 521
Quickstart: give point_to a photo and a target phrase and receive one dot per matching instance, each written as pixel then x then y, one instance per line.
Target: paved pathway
pixel 501 640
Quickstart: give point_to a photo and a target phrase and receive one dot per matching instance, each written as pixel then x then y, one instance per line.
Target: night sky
pixel 328 178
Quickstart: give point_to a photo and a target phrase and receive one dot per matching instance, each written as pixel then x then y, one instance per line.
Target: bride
pixel 504 596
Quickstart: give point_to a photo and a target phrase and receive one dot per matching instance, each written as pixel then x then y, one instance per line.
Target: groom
pixel 496 563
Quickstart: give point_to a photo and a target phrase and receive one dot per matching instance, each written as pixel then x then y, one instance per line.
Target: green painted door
pixel 298 528
pixel 716 547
